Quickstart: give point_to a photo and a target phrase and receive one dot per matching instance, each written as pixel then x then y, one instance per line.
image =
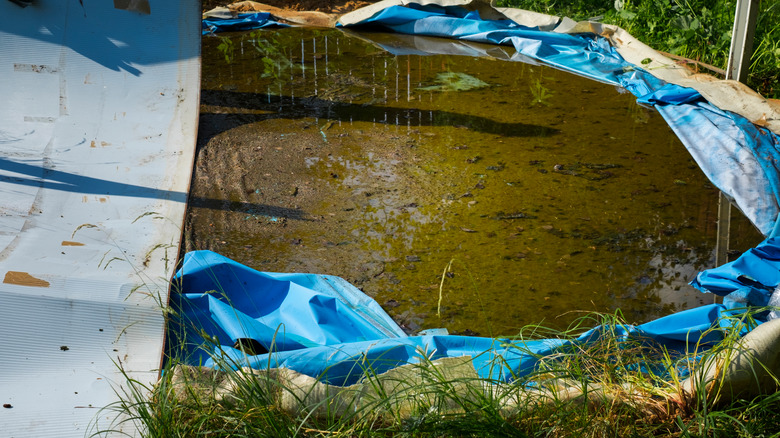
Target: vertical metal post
pixel 724 227
pixel 740 52
pixel 742 40
pixel 722 239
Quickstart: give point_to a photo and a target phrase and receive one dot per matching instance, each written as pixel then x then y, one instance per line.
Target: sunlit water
pixel 471 194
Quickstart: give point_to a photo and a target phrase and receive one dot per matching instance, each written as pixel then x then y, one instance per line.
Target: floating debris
pixel 451 81
pixel 510 216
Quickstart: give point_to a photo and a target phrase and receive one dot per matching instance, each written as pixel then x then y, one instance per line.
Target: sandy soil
pixel 327 6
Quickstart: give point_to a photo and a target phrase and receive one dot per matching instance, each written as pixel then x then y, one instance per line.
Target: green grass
pixel 695 29
pixel 598 389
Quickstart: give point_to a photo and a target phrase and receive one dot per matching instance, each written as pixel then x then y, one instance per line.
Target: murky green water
pixel 472 194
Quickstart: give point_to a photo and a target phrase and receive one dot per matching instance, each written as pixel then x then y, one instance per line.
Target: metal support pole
pixel 742 35
pixel 724 227
pixel 722 239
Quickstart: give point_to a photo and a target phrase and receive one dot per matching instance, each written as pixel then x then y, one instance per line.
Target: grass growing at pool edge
pixel 586 390
pixel 696 29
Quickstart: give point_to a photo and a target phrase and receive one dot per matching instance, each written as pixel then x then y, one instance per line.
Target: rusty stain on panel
pixel 24 279
pixel 102 200
pixel 35 68
pixel 71 243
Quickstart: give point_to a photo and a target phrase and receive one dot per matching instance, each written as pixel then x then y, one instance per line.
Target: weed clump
pixel 699 30
pixel 603 382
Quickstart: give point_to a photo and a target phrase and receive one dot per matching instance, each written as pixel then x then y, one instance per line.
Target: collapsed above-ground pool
pixel 323 327
pixel 229 315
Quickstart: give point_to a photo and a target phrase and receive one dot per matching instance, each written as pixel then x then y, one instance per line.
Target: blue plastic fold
pixel 747 281
pixel 323 327
pixel 228 301
pixel 256 20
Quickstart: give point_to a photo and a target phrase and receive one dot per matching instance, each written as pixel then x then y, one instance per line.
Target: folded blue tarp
pixel 324 327
pixel 241 22
pixel 747 281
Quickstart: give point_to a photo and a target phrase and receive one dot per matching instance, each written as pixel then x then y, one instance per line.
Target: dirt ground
pixel 327 6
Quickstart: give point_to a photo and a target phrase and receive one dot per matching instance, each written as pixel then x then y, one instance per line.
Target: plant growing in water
pixel 227 48
pixel 541 94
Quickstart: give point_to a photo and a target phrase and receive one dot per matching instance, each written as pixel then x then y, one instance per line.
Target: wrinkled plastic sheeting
pixel 227 300
pixel 323 327
pixel 402 44
pixel 749 280
pixel 740 158
pixel 241 22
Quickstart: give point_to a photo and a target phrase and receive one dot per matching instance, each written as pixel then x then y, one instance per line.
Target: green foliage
pixel 273 60
pixel 227 48
pixel 765 63
pixel 541 94
pixel 612 386
pixel 695 29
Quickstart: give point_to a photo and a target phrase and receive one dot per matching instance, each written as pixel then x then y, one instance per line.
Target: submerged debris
pixel 451 81
pixel 516 215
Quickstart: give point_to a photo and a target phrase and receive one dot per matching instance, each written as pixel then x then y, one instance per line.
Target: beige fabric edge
pixel 486 11
pixel 725 94
pixel 751 368
pixel 530 18
pixel 444 384
pixel 298 18
pixel 746 370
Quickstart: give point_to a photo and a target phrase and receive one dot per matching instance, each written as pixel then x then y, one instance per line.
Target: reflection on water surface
pixel 511 193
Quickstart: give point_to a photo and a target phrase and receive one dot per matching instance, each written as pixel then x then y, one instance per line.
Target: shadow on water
pixel 37 176
pixel 271 213
pixel 309 107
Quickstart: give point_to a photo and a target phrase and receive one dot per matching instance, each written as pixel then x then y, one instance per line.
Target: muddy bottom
pixel 464 193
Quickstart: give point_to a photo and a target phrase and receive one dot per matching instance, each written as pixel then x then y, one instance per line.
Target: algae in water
pixel 451 81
